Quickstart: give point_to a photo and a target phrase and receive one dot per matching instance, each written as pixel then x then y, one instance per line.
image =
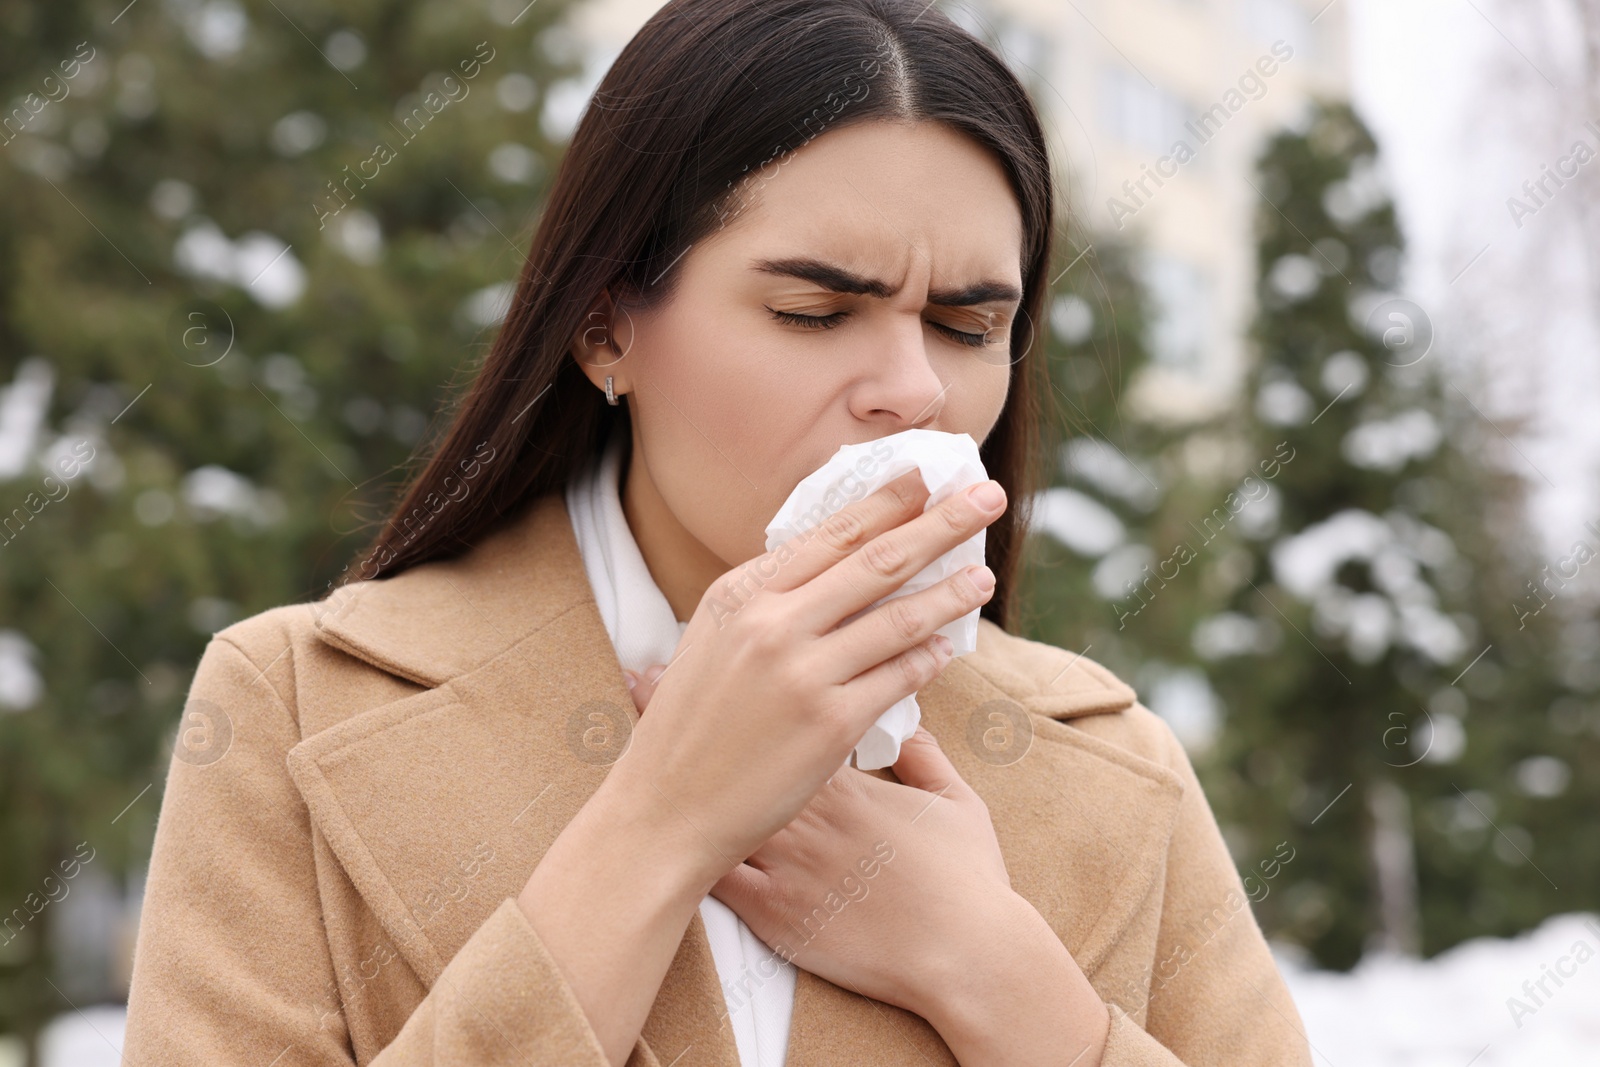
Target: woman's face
pixel 898 245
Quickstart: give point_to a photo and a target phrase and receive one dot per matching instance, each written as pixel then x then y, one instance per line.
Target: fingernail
pixel 631 678
pixel 983 578
pixel 944 644
pixel 988 495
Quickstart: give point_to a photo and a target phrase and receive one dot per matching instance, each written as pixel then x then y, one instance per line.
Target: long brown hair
pixel 706 95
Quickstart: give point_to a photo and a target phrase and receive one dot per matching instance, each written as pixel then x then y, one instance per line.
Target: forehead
pixel 879 196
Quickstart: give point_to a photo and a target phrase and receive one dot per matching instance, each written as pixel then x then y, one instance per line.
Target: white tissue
pixel 949 463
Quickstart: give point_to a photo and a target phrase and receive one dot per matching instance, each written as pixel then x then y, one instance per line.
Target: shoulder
pixel 281 656
pixel 252 661
pixel 270 634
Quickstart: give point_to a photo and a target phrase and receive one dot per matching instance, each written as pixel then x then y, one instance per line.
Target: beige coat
pixel 362 786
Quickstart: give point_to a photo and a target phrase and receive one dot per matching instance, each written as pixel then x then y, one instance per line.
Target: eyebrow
pixel 837 279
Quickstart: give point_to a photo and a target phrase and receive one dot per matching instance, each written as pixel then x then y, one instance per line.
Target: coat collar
pixel 524 708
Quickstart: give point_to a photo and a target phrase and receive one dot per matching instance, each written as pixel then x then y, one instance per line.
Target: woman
pixel 424 821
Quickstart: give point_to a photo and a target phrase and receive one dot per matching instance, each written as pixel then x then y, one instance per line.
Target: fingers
pixel 643 687
pixel 924 765
pixel 743 889
pixel 889 560
pixel 873 690
pixel 640 699
pixel 816 549
pixel 904 624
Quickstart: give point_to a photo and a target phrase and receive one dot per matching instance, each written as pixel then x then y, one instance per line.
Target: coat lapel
pixel 438 804
pixel 1060 800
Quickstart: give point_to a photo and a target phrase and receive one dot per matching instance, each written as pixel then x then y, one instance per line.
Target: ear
pixel 598 349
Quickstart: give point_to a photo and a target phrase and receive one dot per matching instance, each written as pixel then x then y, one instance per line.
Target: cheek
pixel 975 398
pixel 726 416
pixel 732 417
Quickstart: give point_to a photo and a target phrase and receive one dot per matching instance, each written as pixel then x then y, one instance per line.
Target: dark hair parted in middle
pixel 706 100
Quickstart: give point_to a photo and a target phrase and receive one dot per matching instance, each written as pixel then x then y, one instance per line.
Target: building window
pixel 1140 115
pixel 1267 21
pixel 1180 312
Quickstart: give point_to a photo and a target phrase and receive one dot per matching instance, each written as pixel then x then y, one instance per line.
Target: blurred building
pixel 1157 109
pixel 1160 107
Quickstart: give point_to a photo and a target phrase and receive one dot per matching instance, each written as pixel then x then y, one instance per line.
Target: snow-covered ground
pixel 88 1038
pixel 1478 1005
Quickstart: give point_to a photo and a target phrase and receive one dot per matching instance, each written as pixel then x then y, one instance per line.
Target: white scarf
pixel 757 983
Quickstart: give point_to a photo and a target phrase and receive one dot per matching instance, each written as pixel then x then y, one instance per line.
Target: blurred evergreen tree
pixel 216 284
pixel 1386 698
pixel 232 315
pixel 1112 491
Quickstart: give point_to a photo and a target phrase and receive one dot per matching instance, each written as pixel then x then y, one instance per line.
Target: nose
pixel 901 390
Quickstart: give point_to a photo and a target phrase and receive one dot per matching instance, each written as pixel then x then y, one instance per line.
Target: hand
pixel 768 692
pixel 875 885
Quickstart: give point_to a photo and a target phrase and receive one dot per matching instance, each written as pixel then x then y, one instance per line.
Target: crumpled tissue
pixel 949 463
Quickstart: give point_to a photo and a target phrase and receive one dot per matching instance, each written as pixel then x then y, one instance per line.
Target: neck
pixel 682 567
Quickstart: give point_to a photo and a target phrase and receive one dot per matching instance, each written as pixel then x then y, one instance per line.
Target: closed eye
pixel 828 322
pixel 810 322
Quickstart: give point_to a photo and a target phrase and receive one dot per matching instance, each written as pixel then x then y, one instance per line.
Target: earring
pixel 611 396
